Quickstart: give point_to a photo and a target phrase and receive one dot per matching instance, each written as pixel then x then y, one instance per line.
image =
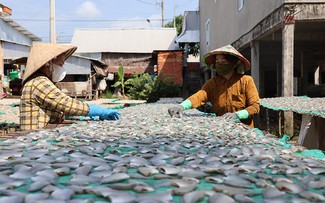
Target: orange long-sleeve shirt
pixel 235 94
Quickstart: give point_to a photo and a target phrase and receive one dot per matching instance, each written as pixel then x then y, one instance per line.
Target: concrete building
pixel 189 40
pixel 15 42
pixel 283 39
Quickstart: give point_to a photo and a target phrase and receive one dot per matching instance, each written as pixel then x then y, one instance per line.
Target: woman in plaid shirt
pixel 41 101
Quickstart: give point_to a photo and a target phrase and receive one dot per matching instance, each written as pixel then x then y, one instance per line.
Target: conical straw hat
pixel 209 59
pixel 41 53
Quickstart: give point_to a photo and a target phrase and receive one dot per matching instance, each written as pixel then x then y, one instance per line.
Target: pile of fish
pixel 303 105
pixel 147 156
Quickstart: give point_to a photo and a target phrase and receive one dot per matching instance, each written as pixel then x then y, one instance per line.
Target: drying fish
pixel 37 186
pixel 237 181
pixel 219 197
pixel 273 193
pixel 197 158
pixel 148 170
pixel 115 178
pixel 12 199
pixel 83 170
pixel 231 191
pixel 244 199
pixel 183 190
pixel 312 196
pixel 289 187
pixel 317 184
pixel 169 169
pixel 37 197
pixel 62 194
pixel 194 196
pixel 214 179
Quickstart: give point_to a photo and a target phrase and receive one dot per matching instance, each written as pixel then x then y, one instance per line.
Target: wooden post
pixel 52 22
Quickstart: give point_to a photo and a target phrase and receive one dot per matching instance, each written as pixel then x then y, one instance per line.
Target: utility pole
pixel 162 13
pixel 52 21
pixel 174 15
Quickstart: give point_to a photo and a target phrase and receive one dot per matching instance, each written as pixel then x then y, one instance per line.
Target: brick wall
pixel 170 64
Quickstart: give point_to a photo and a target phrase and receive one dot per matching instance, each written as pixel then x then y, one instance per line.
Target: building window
pixel 240 4
pixel 207 32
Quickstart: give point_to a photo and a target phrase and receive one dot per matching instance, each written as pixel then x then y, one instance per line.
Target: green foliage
pixel 108 95
pixel 179 23
pixel 144 87
pixel 140 86
pixel 192 48
pixel 164 88
pixel 120 82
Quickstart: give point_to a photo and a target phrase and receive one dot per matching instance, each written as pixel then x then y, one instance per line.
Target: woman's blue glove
pixel 102 113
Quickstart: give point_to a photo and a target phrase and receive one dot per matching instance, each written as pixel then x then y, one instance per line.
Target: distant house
pixel 130 48
pixel 15 42
pixel 188 40
pixel 83 77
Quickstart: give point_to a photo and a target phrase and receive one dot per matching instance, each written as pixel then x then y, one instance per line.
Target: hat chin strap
pixel 240 67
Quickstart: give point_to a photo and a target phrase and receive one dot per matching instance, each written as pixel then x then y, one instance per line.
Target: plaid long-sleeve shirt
pixel 43 103
pixel 237 93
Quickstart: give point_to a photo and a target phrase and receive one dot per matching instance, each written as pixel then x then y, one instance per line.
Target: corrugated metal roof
pixel 11 28
pixel 191 28
pixel 189 36
pixel 13 51
pixel 124 40
pixel 79 65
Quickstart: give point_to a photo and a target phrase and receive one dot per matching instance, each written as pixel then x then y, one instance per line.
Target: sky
pixel 34 15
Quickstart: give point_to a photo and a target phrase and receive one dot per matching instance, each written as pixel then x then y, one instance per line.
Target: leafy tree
pixel 120 82
pixel 179 24
pixel 140 86
pixel 164 87
pixel 193 48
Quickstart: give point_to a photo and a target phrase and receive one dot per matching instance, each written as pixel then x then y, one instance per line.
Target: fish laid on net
pixel 147 156
pixel 302 105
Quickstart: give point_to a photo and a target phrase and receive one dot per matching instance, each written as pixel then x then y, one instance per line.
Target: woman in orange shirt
pixel 232 94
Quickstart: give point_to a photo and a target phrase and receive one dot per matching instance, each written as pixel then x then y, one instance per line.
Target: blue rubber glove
pixel 102 113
